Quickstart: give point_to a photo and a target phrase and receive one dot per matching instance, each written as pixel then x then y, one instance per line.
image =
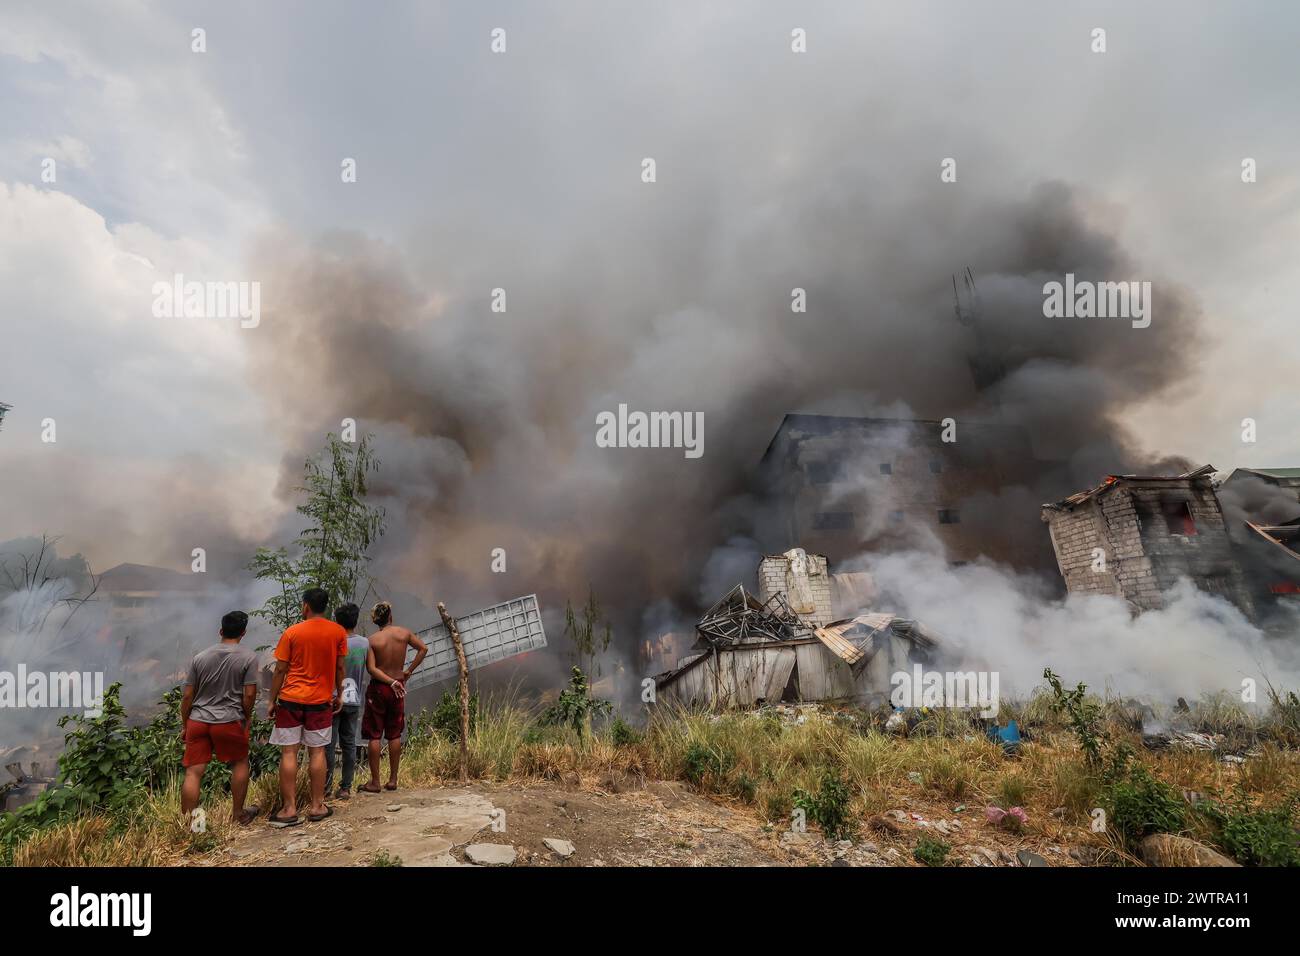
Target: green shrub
pixel 1140 804
pixel 444 717
pixel 706 765
pixel 576 707
pixel 931 851
pixel 622 734
pixel 828 807
pixel 1254 837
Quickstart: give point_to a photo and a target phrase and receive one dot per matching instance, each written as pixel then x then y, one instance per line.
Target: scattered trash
pixel 1008 736
pixel 1014 818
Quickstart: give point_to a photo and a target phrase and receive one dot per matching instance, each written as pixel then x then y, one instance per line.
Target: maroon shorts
pixel 385 715
pixel 311 725
pixel 228 741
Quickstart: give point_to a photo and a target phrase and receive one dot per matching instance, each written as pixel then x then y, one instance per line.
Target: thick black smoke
pixel 486 421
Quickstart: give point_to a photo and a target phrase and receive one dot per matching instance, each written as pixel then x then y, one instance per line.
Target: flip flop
pixel 343 795
pixel 318 817
pixel 249 815
pixel 280 822
pixel 365 788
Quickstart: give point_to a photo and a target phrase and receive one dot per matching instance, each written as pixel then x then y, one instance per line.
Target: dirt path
pixel 662 824
pixel 617 821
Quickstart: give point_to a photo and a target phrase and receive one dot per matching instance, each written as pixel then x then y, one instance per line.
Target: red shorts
pixel 228 740
pixel 309 724
pixel 385 715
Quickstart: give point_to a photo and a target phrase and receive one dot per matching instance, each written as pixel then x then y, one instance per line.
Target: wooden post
pixel 463 684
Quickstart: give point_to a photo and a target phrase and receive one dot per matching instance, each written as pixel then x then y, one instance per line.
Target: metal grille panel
pixel 492 634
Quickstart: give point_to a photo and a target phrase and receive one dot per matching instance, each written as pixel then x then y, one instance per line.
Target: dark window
pixel 936 467
pixel 949 516
pixel 832 520
pixel 886 469
pixel 1178 518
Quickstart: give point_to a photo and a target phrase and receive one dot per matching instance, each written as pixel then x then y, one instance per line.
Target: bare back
pixel 390 645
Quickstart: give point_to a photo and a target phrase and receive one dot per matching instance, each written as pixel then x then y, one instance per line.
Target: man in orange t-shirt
pixel 305 693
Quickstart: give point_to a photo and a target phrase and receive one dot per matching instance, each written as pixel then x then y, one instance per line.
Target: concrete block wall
pixel 775 577
pixel 1075 535
pixel 1143 558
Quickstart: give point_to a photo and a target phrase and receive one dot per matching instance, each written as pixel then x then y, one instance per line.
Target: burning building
pixel 843 484
pixel 1271 554
pixel 784 647
pixel 1135 536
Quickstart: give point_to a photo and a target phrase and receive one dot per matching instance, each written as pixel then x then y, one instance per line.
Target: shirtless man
pixel 385 716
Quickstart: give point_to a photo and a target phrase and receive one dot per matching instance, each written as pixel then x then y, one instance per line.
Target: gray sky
pixel 521 170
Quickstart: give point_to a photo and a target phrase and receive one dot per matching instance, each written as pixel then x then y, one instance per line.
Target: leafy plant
pixel 931 851
pixel 622 734
pixel 828 807
pixel 704 764
pixel 576 706
pixel 1138 802
pixel 444 718
pixel 1256 837
pixel 1083 716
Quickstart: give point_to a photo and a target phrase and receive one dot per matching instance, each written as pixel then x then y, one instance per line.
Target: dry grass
pixel 745 759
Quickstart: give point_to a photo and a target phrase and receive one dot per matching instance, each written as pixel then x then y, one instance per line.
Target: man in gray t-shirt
pixel 351 700
pixel 216 714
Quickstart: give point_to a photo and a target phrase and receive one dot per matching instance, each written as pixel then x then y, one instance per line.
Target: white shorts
pixel 289 736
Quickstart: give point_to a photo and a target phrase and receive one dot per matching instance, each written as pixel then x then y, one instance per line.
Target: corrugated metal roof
pixel 853 640
pixel 1277 474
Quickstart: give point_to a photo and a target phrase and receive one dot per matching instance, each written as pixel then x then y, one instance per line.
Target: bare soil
pixel 611 822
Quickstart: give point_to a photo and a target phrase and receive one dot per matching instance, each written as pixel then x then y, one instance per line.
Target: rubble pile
pixel 740 618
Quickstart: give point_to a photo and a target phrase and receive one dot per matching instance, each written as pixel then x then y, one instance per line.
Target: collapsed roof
pixel 1112 482
pixel 856 639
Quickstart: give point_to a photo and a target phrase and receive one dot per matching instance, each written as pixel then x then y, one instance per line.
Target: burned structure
pixel 1271 556
pixel 1286 479
pixel 841 485
pixel 1134 536
pixel 803 580
pixel 753 650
